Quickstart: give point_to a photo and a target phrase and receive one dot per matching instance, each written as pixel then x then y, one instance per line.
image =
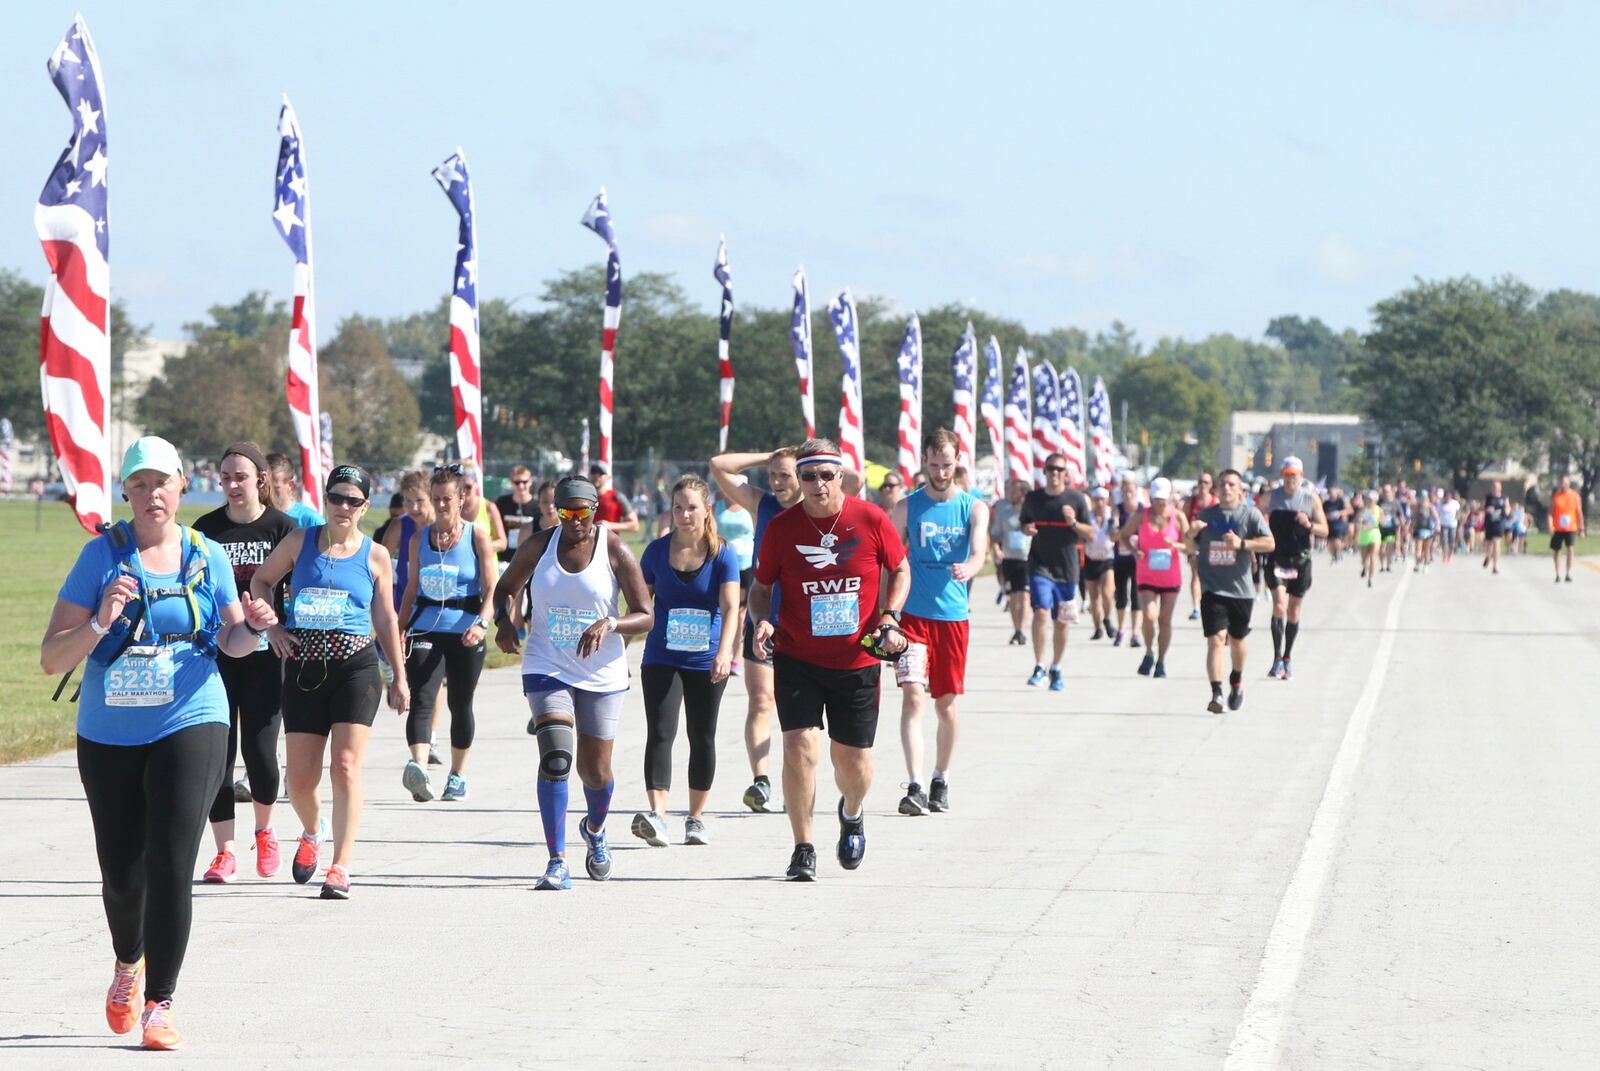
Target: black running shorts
pixel 1296 587
pixel 1224 613
pixel 848 697
pixel 1014 575
pixel 1562 539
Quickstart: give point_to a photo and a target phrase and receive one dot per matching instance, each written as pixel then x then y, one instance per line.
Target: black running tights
pixel 148 804
pixel 666 689
pixel 441 657
pixel 255 693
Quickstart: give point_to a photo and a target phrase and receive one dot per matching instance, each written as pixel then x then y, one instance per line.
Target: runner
pixel 829 559
pixel 693 578
pixel 1388 528
pixel 574 666
pixel 1010 547
pixel 1157 534
pixel 1496 512
pixel 1200 498
pixel 1424 527
pixel 615 511
pixel 727 470
pixel 450 582
pixel 339 594
pixel 1127 501
pixel 414 494
pixel 476 509
pixel 150 604
pixel 1294 513
pixel 737 526
pixel 1225 538
pixel 1449 522
pixel 947 532
pixel 1337 509
pixel 285 487
pixel 519 510
pixel 547 506
pixel 1369 522
pixel 891 491
pixel 1098 554
pixel 1056 516
pixel 1566 524
pixel 397 506
pixel 247 529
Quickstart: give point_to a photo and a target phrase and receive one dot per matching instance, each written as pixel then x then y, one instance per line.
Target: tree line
pixel 1456 374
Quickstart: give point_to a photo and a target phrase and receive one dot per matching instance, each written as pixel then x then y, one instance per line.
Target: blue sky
pixel 1183 167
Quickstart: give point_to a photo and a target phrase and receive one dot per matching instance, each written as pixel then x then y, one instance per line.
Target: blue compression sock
pixel 553 813
pixel 599 803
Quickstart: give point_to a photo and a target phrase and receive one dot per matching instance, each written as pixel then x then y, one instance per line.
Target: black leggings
pixel 436 657
pixel 255 691
pixel 1125 570
pixel 148 804
pixel 667 688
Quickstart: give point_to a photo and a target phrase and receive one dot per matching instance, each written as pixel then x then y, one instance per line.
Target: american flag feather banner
pixel 292 213
pixel 993 410
pixel 842 311
pixel 909 369
pixel 1019 454
pixel 963 367
pixel 1100 431
pixel 7 447
pixel 75 321
pixel 466 371
pixel 1046 415
pixel 800 337
pixel 1071 405
pixel 720 272
pixel 598 219
pixel 583 449
pixel 326 441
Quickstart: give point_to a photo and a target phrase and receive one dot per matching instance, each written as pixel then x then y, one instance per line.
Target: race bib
pixel 1217 554
pixel 1285 572
pixel 1067 612
pixel 140 679
pixel 834 614
pixel 1160 560
pixel 1564 521
pixel 689 630
pixel 320 608
pixel 912 665
pixel 566 624
pixel 438 582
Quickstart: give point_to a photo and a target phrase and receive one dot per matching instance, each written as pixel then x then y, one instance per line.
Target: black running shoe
pixel 1097 634
pixel 939 796
pixel 914 802
pixel 803 863
pixel 852 839
pixel 1017 640
pixel 1235 698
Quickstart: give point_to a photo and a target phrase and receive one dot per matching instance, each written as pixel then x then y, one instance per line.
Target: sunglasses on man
pixel 826 475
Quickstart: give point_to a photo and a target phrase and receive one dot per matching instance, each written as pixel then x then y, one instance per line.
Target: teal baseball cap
pixel 151 453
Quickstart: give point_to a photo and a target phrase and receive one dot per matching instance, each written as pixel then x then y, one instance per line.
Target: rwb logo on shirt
pixel 836 584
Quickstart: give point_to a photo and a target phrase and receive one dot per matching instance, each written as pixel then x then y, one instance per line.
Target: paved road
pixel 1315 881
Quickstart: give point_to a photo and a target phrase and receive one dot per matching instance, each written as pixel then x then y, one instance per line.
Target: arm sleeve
pixel 221 570
pixel 89 576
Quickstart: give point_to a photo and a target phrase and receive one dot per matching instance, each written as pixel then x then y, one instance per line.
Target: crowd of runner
pixel 267 619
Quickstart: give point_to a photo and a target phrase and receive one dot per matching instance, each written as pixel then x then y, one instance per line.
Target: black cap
pixel 350 474
pixel 578 487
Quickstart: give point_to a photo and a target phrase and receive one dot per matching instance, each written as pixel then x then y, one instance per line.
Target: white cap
pixel 1100 492
pixel 1161 488
pixel 1291 463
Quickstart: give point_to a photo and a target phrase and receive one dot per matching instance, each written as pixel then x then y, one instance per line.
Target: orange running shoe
pixel 223 869
pixel 122 999
pixel 267 854
pixel 159 1033
pixel 336 884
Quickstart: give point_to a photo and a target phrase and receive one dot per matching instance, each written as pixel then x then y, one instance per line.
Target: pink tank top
pixel 1161 566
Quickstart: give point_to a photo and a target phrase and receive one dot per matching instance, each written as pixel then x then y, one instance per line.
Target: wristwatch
pixel 484 622
pixel 94 625
pixel 890 613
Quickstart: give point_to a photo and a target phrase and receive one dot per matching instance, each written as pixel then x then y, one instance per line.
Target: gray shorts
pixel 595 714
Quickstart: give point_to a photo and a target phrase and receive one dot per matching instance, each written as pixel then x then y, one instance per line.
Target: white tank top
pixel 561 606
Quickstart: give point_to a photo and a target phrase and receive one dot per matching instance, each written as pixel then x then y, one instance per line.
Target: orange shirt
pixel 1566 512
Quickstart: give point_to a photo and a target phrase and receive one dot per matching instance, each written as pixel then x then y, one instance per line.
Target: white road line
pixel 1255 1042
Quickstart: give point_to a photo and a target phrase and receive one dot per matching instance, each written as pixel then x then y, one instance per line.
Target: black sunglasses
pixel 454 467
pixel 353 501
pixel 1055 468
pixel 826 476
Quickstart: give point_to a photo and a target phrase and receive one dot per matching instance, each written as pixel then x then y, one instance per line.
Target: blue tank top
pixel 331 594
pixel 768 508
pixel 938 536
pixel 446 575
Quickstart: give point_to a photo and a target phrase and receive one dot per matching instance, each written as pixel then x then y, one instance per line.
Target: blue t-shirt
pixel 151 697
pixel 441 575
pixel 937 536
pixel 737 527
pixel 303 515
pixel 688 624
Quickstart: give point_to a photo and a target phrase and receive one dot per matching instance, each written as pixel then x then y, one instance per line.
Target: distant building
pixel 139 367
pixel 1254 441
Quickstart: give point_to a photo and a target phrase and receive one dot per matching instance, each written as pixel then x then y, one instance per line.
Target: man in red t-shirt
pixel 613 510
pixel 828 558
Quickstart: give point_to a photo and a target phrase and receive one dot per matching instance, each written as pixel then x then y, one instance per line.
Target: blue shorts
pixel 1045 593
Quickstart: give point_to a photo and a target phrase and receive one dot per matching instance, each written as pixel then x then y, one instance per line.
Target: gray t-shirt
pixel 1226 570
pixel 1005 531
